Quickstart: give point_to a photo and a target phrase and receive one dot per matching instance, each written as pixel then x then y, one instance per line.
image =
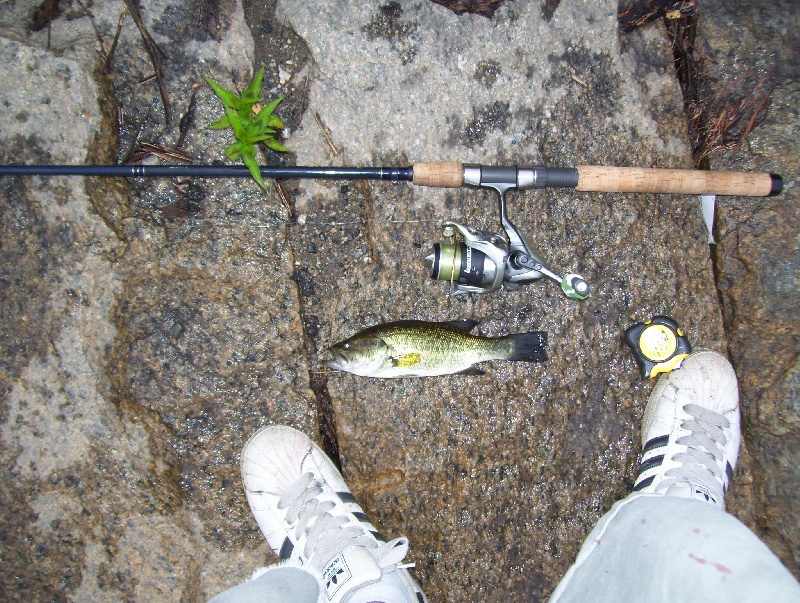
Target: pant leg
pixel 280 583
pixel 289 582
pixel 663 548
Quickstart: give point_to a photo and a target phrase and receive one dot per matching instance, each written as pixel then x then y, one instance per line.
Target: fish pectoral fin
pixel 407 360
pixel 474 371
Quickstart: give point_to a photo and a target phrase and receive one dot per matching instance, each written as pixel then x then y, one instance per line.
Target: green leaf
pixel 258 138
pixel 234 151
pixel 275 122
pixel 265 114
pixel 253 129
pixel 246 114
pixel 222 123
pixel 236 123
pixel 252 93
pixel 276 146
pixel 228 98
pixel 249 158
pixel 249 128
pixel 271 107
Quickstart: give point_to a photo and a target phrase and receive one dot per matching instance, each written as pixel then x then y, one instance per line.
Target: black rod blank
pixel 394 174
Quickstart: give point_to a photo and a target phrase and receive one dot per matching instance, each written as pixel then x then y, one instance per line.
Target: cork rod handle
pixel 694 182
pixel 448 174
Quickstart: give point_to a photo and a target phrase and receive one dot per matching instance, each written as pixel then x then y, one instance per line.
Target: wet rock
pixel 757 258
pixel 479 7
pixel 512 468
pixel 145 344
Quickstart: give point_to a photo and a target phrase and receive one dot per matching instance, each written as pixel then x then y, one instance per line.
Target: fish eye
pixel 346 346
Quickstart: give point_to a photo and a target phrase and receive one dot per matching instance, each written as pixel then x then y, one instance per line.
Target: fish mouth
pixel 335 359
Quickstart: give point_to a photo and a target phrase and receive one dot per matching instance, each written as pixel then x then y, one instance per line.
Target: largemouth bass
pixel 411 348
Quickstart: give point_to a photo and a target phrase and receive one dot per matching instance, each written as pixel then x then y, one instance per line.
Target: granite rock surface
pixel 150 327
pixel 751 52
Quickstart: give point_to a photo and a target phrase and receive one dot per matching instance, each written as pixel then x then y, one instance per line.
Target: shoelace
pixel 705 432
pixel 327 534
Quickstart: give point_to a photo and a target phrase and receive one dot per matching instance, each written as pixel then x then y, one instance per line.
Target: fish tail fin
pixel 529 347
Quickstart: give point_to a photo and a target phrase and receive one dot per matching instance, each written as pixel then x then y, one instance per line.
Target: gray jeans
pixel 651 547
pixel 648 547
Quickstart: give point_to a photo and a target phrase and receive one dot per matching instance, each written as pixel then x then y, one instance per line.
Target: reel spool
pixel 475 265
pixel 483 262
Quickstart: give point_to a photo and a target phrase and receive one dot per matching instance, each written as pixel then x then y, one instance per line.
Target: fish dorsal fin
pixel 407 359
pixel 463 325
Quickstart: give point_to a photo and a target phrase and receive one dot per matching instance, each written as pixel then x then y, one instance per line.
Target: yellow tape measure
pixel 658 345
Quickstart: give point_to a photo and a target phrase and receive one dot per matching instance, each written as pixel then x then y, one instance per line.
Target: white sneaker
pixel 307 514
pixel 690 431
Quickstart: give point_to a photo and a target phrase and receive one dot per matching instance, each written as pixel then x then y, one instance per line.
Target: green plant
pixel 251 123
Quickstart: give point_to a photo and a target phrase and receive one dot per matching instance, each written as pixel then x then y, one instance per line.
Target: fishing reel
pixel 481 262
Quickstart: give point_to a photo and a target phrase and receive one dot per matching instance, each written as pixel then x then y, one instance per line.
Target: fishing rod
pixel 453 174
pixel 476 261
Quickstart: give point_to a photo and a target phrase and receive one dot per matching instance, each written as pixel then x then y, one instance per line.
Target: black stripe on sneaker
pixel 644 483
pixel 347 497
pixel 362 517
pixel 420 598
pixel 651 463
pixel 655 443
pixel 286 549
pixel 729 471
